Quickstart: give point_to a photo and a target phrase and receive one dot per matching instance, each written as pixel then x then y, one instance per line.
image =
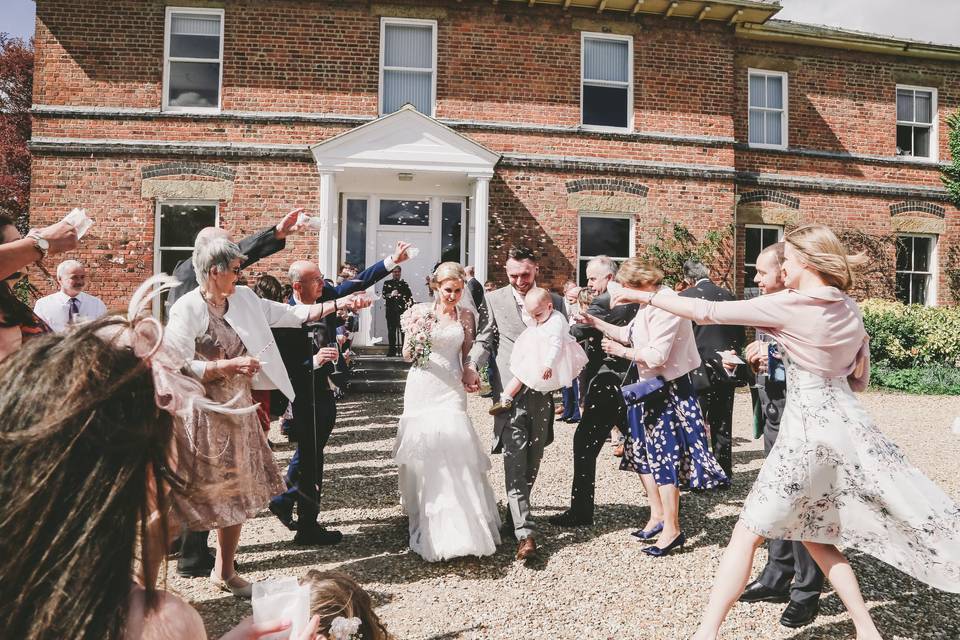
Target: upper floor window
pixel 768 109
pixel 603 234
pixel 916 122
pixel 193 59
pixel 915 269
pixel 408 64
pixel 606 92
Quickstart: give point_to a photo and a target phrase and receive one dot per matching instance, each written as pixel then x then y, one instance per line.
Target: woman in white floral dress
pixel 832 479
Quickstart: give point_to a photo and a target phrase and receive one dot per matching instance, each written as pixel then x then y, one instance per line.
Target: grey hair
pixel 694 271
pixel 215 252
pixel 294 273
pixel 604 262
pixel 67 264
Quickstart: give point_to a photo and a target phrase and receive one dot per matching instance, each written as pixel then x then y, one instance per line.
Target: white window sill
pixel 757 145
pixel 602 129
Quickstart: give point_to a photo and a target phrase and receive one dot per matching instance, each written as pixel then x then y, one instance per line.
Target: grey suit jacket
pixel 502 324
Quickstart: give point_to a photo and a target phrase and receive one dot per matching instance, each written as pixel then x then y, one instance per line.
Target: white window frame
pixel 784 120
pixel 601 214
pixel 166 60
pixel 158 248
pixel 779 230
pixel 585 35
pixel 934 128
pixel 384 22
pixel 931 300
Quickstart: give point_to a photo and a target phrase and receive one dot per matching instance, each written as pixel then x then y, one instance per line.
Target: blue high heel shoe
pixel 648 534
pixel 657 552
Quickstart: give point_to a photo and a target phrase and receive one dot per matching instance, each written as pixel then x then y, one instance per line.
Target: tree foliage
pixel 16 97
pixel 675 244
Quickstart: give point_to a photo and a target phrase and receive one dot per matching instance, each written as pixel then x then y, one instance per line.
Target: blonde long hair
pixel 823 252
pixel 336 594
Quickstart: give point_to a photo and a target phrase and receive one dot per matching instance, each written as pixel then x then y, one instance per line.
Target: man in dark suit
pixel 397 298
pixel 790 573
pixel 715 383
pixel 474 287
pixel 312 426
pixel 196 560
pixel 603 407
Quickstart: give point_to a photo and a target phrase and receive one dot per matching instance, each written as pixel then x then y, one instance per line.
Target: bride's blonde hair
pixel 446 271
pixel 823 252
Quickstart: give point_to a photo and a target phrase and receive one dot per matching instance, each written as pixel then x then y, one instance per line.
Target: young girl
pixel 343 607
pixel 545 357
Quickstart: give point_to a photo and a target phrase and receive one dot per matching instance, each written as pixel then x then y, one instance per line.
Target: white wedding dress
pixel 443 468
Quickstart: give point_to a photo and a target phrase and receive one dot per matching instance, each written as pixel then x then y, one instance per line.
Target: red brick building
pixel 576 126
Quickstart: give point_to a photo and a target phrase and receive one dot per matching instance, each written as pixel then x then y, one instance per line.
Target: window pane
pixel 582 273
pixel 606 60
pixel 904 250
pixel 905 105
pixel 921 142
pixel 450 229
pixel 410 213
pixel 770 236
pixel 903 288
pixel 605 236
pixel 775 92
pixel 180 223
pixel 753 238
pixel 758 91
pixel 749 273
pixel 194 84
pixel 756 126
pixel 774 129
pixel 408 46
pixel 169 259
pixel 605 106
pixel 921 254
pixel 401 87
pixel 195 36
pixel 924 107
pixel 904 140
pixel 918 289
pixel 355 251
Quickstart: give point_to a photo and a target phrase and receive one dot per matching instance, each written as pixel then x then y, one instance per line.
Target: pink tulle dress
pixel 547 345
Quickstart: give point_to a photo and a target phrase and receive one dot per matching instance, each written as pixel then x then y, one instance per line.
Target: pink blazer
pixel 665 342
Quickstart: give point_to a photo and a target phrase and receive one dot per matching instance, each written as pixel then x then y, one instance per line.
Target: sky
pixel 927 20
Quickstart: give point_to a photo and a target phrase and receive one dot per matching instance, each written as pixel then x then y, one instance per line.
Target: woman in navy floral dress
pixel 672 451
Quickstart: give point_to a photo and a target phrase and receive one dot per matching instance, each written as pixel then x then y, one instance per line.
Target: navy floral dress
pixel 673 444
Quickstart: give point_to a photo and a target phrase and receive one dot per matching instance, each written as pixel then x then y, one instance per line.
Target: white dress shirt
pixel 55 309
pixel 526 317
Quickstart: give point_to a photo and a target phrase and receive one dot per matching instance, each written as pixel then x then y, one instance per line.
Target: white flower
pixel 343 628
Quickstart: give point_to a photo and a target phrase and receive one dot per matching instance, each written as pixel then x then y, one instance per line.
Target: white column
pixel 328 251
pixel 481 242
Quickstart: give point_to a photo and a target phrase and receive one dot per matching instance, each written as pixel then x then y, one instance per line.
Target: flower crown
pixel 343 628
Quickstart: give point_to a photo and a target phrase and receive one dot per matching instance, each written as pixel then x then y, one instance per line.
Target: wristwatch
pixel 42 245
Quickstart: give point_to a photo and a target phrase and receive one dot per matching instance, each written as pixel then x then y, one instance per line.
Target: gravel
pixel 589 582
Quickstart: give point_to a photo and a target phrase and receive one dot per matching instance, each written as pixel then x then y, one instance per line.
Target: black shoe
pixel 798 614
pixel 317 535
pixel 662 552
pixel 757 592
pixel 198 568
pixel 284 515
pixel 488 394
pixel 570 519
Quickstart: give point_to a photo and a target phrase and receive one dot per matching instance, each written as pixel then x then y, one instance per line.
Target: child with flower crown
pixel 344 608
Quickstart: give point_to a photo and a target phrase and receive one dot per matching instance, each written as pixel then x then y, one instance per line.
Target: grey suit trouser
pixel 523 439
pixel 789 564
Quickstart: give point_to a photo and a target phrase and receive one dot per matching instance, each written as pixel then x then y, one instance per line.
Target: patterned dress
pixel 225 459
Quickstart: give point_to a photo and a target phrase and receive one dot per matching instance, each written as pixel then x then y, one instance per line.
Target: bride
pixel 442 466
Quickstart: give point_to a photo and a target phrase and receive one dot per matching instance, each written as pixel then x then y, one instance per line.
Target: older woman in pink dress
pixel 832 479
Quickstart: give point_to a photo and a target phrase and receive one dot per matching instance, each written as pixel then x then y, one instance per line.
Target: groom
pixel 521 434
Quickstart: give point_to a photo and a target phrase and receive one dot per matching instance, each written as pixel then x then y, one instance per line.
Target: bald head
pixel 306 280
pixel 469 271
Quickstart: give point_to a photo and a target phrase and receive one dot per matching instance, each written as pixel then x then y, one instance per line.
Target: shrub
pixel 933 379
pixel 909 336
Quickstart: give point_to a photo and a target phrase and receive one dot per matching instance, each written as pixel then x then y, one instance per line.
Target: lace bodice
pixel 450 339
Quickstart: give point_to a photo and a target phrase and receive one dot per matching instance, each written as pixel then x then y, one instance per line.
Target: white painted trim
pixel 165 97
pixel 784 120
pixel 585 35
pixel 384 22
pixel 934 156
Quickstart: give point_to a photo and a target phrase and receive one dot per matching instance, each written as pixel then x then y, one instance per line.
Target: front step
pixel 358 385
pixel 378 373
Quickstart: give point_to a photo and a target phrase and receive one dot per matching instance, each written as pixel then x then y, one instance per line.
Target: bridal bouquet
pixel 417 327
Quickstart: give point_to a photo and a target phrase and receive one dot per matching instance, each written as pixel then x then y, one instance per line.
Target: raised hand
pixel 62 237
pixel 242 366
pixel 288 224
pixel 400 254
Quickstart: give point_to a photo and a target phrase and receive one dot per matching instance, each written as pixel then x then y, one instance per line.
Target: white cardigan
pixel 251 317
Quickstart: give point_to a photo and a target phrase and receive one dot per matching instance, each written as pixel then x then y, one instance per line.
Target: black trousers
pixel 717 406
pixel 394 335
pixel 603 409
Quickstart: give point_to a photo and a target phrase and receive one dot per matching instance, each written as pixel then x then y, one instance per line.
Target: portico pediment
pixel 405 140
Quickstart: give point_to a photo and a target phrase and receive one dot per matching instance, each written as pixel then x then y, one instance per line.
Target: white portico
pixel 407 177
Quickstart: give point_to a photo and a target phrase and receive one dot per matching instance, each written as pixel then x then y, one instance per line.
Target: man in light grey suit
pixel 520 434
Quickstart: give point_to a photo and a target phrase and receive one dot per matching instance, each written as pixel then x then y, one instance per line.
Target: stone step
pixel 375 373
pixel 375 350
pixel 381 362
pixel 359 385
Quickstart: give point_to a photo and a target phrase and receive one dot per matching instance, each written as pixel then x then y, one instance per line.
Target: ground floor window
pixel 915 269
pixel 603 235
pixel 756 238
pixel 177 225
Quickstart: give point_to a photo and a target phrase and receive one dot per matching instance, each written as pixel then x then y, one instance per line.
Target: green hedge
pixel 914 348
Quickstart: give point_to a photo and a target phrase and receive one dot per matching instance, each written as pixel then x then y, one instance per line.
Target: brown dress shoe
pixel 527 548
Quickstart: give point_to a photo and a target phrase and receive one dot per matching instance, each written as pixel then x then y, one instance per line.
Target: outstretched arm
pixel 764 311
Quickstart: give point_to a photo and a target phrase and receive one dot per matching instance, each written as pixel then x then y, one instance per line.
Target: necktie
pixel 74 310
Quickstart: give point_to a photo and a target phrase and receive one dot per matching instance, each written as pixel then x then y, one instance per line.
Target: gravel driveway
pixel 589 582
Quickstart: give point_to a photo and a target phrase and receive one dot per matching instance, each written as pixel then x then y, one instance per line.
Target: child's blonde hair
pixel 823 252
pixel 537 296
pixel 335 594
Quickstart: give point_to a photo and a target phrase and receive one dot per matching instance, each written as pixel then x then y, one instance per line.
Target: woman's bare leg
pixel 732 576
pixel 670 499
pixel 228 539
pixel 840 574
pixel 653 496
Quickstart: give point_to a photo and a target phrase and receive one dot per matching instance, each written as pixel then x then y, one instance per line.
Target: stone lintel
pixel 767 213
pixel 186 189
pixel 619 203
pixel 917 224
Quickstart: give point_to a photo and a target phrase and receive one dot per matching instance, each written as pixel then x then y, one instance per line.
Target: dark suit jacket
pixel 476 292
pixel 715 337
pixel 255 247
pixel 597 363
